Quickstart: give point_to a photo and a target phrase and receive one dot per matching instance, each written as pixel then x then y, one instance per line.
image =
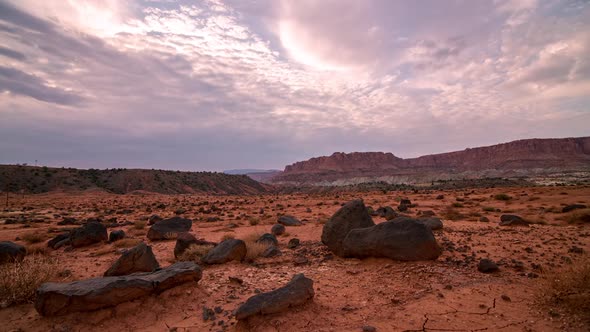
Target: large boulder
pixel 54 299
pixel 226 251
pixel 90 233
pixel 185 240
pixel 169 228
pixel 297 292
pixel 406 240
pixel 432 222
pixel 289 221
pixel 512 220
pixel 352 215
pixel 137 259
pixel 11 252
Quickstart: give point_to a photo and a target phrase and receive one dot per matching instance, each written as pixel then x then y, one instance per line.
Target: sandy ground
pixel 448 294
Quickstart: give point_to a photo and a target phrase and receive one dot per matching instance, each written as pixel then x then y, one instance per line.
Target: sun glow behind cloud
pixel 289 77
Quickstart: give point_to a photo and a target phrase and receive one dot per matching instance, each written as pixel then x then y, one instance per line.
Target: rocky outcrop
pixel 53 299
pixel 297 292
pixel 541 155
pixel 352 215
pixel 406 240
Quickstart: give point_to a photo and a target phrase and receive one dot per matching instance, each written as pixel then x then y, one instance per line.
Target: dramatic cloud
pixel 240 84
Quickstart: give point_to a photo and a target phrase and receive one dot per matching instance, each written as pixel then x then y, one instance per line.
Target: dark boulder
pixel 154 219
pixel 228 250
pixel 59 241
pixel 269 239
pixel 277 229
pixel 11 252
pixel 293 243
pixel 487 266
pixel 406 240
pixel 289 221
pixel 432 222
pixel 116 235
pixel 387 212
pixel 512 220
pixel 137 259
pixel 53 299
pixel 352 215
pixel 185 240
pixel 271 251
pixel 90 233
pixel 297 292
pixel 572 207
pixel 169 228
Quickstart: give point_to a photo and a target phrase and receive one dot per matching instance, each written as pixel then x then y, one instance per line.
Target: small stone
pixel 506 298
pixel 368 328
pixel 293 243
pixel 487 266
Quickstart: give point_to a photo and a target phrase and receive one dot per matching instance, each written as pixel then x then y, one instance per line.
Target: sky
pixel 214 85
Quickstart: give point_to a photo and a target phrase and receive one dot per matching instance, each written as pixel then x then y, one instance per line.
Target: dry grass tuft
pixel 37 250
pixel 451 214
pixel 194 252
pixel 227 236
pixel 34 237
pixel 20 280
pixel 569 289
pixel 126 243
pixel 254 249
pixel 139 224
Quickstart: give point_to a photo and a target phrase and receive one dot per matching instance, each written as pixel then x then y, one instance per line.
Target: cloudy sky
pixel 213 85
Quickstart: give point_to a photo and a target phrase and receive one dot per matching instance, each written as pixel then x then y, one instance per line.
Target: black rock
pixel 137 259
pixel 297 292
pixel 277 229
pixel 269 239
pixel 487 266
pixel 271 251
pixel 293 243
pixel 406 240
pixel 352 215
pixel 116 235
pixel 53 299
pixel 572 207
pixel 154 219
pixel 289 221
pixel 59 240
pixel 169 228
pixel 228 250
pixel 88 234
pixel 512 220
pixel 11 252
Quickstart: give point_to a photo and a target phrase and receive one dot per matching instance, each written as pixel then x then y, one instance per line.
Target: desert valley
pixel 486 255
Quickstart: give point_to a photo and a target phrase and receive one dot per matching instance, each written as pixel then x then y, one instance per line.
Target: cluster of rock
pixel 351 232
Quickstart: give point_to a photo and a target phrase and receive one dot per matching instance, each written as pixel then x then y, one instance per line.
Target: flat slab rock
pixel 53 299
pixel 297 292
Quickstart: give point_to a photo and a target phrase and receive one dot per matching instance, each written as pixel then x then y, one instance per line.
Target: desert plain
pixel 372 294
